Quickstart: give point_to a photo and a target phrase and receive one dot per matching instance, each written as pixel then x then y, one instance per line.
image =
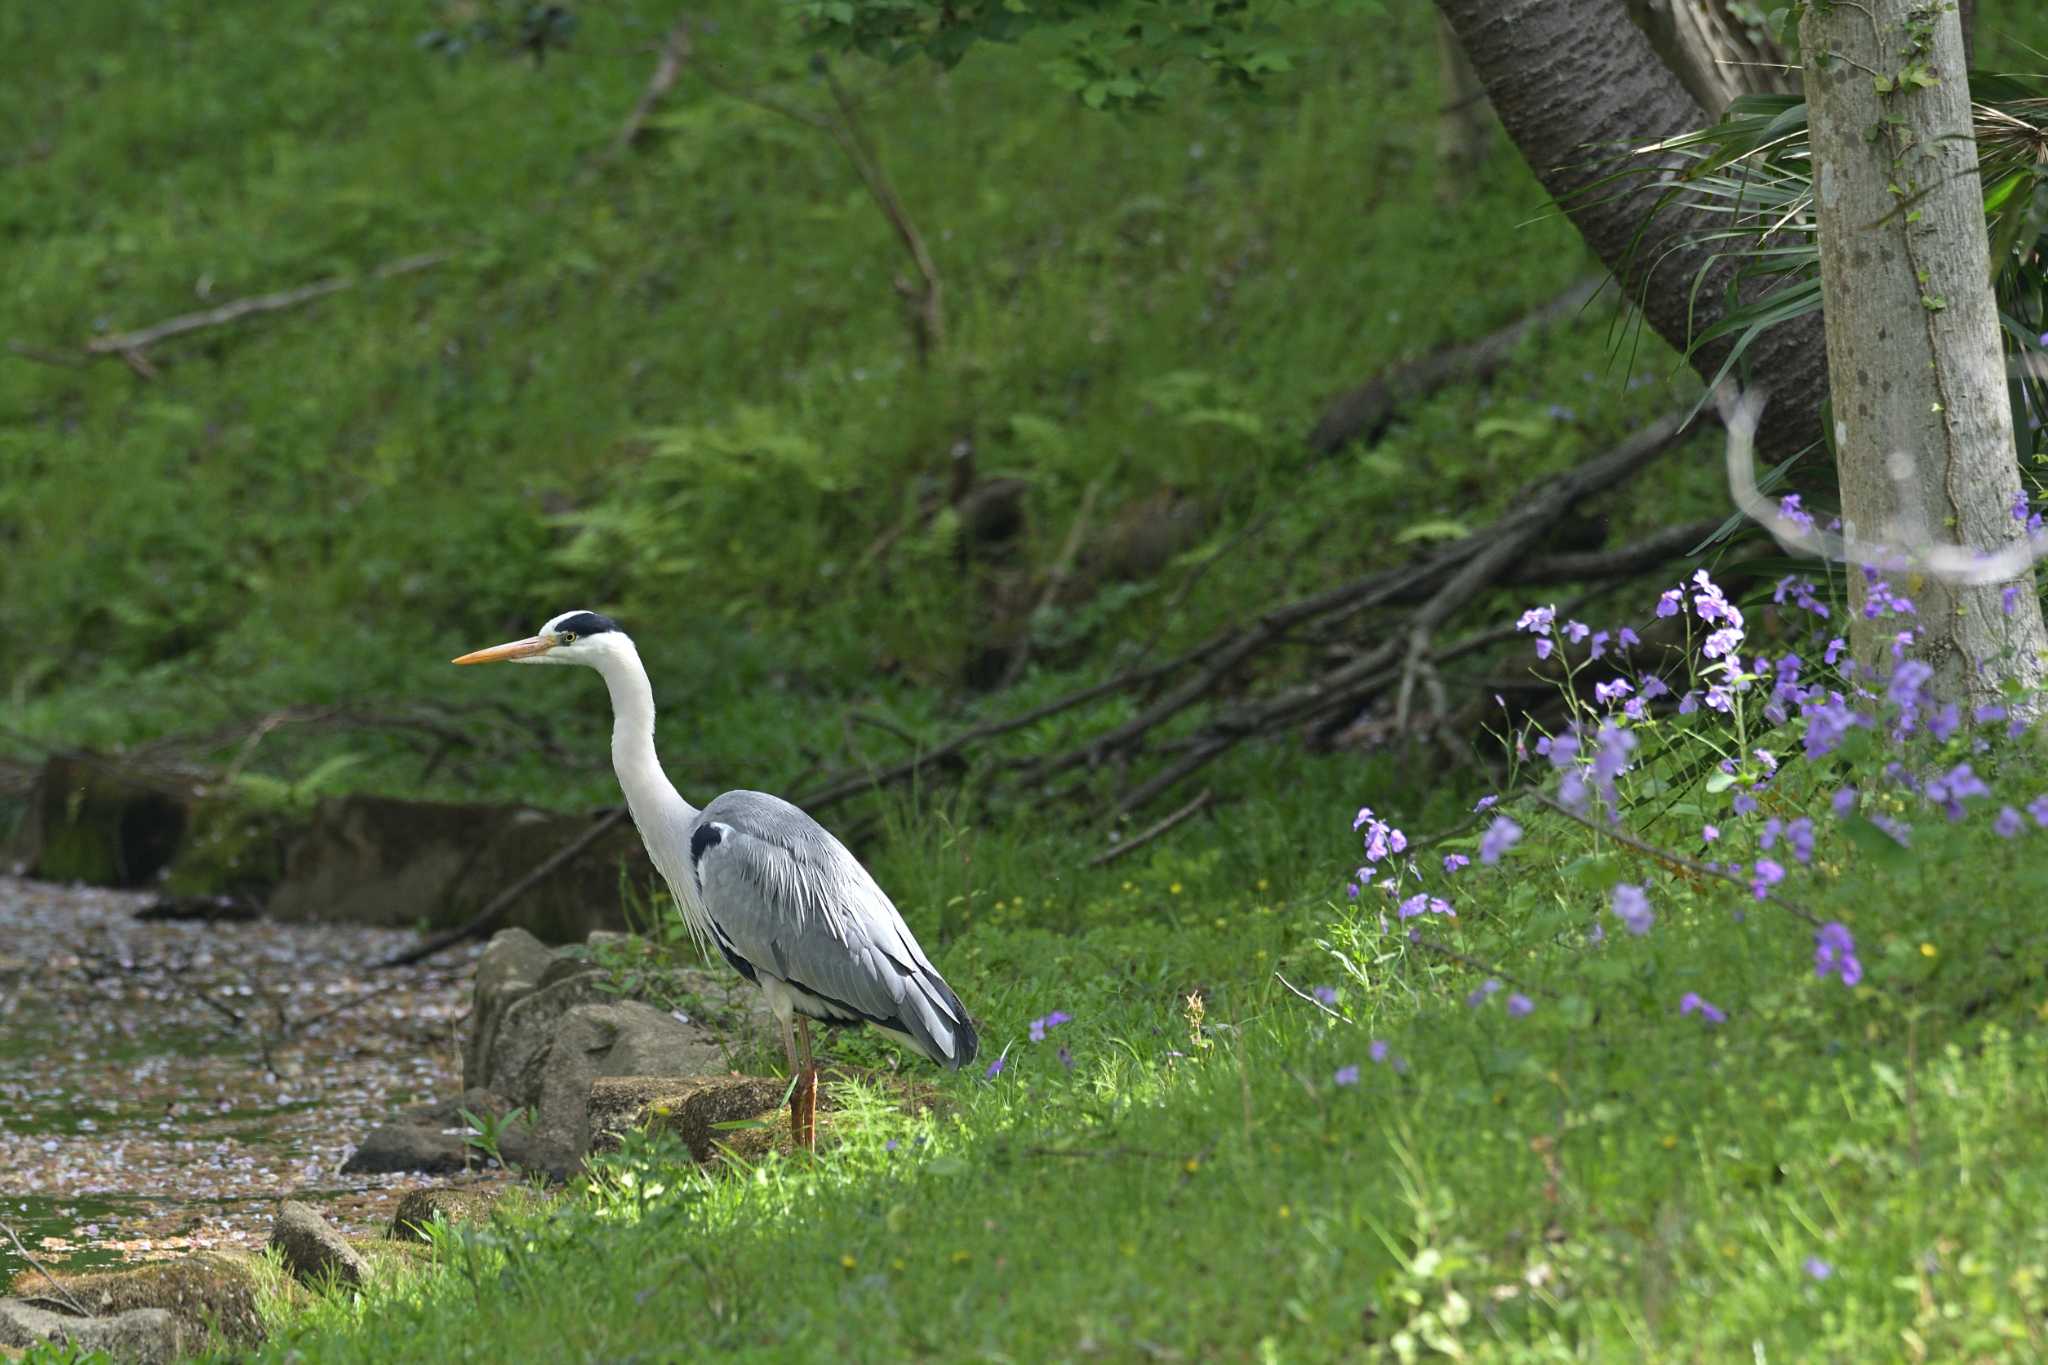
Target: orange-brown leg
pixel 804 1101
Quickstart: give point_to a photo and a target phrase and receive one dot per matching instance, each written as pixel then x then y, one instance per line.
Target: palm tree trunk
pixel 1575 83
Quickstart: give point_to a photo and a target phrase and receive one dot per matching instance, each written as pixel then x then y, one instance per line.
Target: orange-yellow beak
pixel 517 649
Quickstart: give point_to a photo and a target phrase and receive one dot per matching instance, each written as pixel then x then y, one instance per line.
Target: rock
pixel 94 819
pixel 380 860
pixel 206 1291
pixel 488 1104
pixel 313 1250
pixel 509 971
pixel 515 1055
pixel 689 1107
pixel 141 1336
pixel 449 1203
pixel 623 1038
pixel 411 1147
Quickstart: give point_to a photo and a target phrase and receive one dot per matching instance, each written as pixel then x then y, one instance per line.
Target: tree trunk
pixel 1464 123
pixel 1575 83
pixel 1913 335
pixel 1715 54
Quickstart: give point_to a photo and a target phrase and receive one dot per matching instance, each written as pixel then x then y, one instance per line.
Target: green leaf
pixel 1441 529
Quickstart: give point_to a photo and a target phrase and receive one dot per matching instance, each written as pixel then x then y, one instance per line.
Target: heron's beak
pixel 517 649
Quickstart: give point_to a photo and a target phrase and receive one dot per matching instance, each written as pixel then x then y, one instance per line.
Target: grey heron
pixel 785 903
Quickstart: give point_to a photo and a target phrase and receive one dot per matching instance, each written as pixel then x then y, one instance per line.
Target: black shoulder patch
pixel 706 837
pixel 586 623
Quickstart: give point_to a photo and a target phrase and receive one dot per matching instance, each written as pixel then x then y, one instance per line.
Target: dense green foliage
pixel 679 386
pixel 682 389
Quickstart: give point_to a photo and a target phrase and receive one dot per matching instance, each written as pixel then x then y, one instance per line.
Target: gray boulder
pixel 516 1055
pixel 141 1336
pixel 509 971
pixel 622 1038
pixel 314 1250
pixel 411 1147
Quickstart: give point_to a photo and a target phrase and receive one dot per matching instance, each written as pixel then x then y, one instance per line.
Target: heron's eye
pixel 567 637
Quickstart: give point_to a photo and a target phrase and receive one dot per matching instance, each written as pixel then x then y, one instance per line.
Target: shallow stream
pixel 163 1084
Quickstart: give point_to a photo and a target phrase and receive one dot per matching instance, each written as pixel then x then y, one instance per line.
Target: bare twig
pixel 1666 856
pixel 485 917
pixel 924 299
pixel 668 68
pixel 299 1026
pixel 44 1271
pixel 1055 579
pixel 130 346
pixel 1138 841
pixel 1310 998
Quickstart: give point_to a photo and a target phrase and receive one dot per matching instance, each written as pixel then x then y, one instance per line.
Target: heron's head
pixel 574 637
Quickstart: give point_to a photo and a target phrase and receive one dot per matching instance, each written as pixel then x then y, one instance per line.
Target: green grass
pixel 1605 1178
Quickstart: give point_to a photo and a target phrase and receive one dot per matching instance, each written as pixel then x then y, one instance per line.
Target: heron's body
pixel 763 883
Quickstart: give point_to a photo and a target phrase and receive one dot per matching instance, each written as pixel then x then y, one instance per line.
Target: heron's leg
pixel 807 1089
pixel 796 1077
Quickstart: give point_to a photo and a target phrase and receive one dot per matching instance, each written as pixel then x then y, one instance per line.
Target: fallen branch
pixel 130 346
pixel 1136 842
pixel 486 917
pixel 1365 412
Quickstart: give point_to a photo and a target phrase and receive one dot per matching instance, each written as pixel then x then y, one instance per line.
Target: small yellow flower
pixel 1927 950
pixel 1191 1166
pixel 1260 954
pixel 1129 887
pixel 1670 1141
pixel 896 1263
pixel 962 1257
pixel 847 1262
pixel 1174 889
pixel 1262 883
pixel 1286 1212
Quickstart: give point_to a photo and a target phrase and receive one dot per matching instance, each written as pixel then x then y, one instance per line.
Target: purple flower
pixel 1066 1057
pixel 1632 908
pixel 1653 687
pixel 1050 1021
pixel 1537 620
pixel 1485 991
pixel 1817 1268
pixel 2008 823
pixel 1709 833
pixel 2009 599
pixel 1519 1005
pixel 1608 693
pixel 1628 639
pixel 1743 802
pixel 890 1145
pixel 1952 788
pixel 1454 861
pixel 1576 631
pixel 1668 604
pixel 1502 835
pixel 1381 838
pixel 1799 837
pixel 1325 994
pixel 1834 953
pixel 1599 645
pixel 1346 1075
pixel 1844 801
pixel 1790 510
pixel 1834 651
pixel 1485 803
pixel 995 1069
pixel 1377 1050
pixel 1692 1002
pixel 1768 875
pixel 2038 808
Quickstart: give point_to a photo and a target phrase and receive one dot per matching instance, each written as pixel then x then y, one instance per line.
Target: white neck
pixel 653 799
